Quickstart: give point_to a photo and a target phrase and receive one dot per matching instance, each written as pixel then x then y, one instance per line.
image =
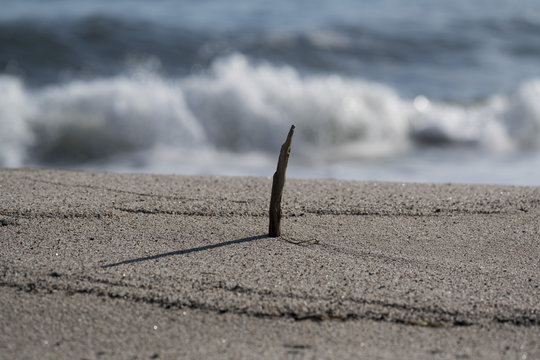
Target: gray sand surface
pixel 98 265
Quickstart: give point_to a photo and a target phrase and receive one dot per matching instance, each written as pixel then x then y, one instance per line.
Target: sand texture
pixel 96 265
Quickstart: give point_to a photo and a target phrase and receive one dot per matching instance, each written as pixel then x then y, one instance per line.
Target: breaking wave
pixel 240 106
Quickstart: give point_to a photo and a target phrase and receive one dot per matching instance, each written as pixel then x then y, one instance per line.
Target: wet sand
pixel 97 265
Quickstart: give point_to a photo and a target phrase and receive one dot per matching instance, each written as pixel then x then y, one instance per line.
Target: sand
pixel 97 265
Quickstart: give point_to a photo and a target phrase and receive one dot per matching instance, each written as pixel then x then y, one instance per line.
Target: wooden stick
pixel 274 228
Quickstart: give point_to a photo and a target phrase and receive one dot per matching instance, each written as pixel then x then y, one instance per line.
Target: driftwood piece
pixel 278 182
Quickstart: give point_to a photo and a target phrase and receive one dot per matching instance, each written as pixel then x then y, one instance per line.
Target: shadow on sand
pixel 186 251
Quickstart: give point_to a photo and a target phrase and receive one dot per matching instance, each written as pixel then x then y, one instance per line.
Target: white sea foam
pixel 15 109
pixel 246 107
pixel 118 114
pixel 238 106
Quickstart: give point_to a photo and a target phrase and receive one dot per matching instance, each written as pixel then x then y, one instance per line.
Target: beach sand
pixel 97 265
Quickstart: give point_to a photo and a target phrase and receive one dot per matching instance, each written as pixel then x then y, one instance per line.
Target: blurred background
pixel 415 90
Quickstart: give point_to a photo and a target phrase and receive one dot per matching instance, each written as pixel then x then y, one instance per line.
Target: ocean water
pixel 378 90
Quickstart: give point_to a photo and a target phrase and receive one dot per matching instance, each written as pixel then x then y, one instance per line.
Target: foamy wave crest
pixel 88 120
pixel 345 117
pixel 15 109
pixel 104 117
pixel 238 106
pixel 247 107
pixel 501 123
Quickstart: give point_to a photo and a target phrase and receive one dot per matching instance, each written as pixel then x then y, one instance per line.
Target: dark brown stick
pixel 274 228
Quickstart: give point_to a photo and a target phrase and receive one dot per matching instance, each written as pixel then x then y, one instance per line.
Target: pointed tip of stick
pixel 289 136
pixel 292 130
